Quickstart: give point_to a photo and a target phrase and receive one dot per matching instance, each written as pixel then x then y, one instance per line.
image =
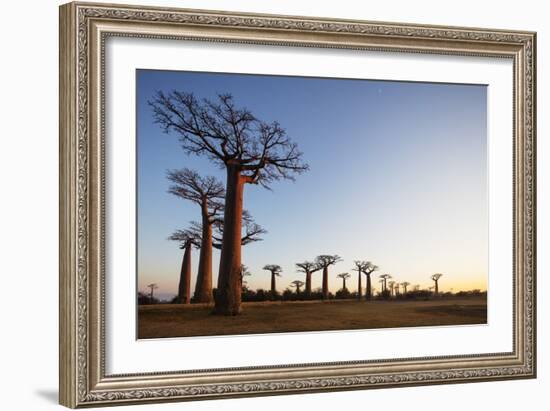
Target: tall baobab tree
pixel 381 281
pixel 359 267
pixel 405 284
pixel 298 285
pixel 396 288
pixel 435 278
pixel 275 271
pixel 324 261
pixel 187 239
pixel 152 287
pixel 344 277
pixel 308 268
pixel 391 285
pixel 385 278
pixel 252 151
pixel 368 269
pixel 208 193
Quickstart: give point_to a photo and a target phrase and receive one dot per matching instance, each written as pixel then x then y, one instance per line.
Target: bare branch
pixel 308 267
pixel 186 237
pixel 224 133
pixel 252 231
pixel 208 191
pixel 325 260
pixel 274 269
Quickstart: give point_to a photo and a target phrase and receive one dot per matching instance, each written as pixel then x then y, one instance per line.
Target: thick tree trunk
pixel 273 285
pixel 308 283
pixel 184 287
pixel 344 285
pixel 359 286
pixel 436 288
pixel 228 294
pixel 325 283
pixel 203 288
pixel 369 288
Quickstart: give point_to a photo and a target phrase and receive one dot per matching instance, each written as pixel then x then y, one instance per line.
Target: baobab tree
pixel 405 284
pixel 208 193
pixel 368 269
pixel 384 281
pixel 344 277
pixel 308 268
pixel 152 287
pixel 275 271
pixel 244 273
pixel 435 278
pixel 391 285
pixel 381 281
pixel 298 285
pixel 359 267
pixel 252 151
pixel 187 239
pixel 324 261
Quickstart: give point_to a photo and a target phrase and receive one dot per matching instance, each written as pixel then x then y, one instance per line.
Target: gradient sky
pixel 398 176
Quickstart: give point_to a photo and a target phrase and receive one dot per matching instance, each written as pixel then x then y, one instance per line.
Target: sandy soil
pixel 172 320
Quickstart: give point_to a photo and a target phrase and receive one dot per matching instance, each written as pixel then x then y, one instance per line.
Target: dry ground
pixel 172 320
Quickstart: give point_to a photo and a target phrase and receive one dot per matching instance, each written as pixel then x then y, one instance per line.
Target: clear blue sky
pixel 398 175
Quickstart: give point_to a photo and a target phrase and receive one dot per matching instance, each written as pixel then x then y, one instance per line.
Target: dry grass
pixel 172 320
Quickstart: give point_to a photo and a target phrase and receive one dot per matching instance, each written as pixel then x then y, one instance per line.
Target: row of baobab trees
pixel 388 288
pixel 253 152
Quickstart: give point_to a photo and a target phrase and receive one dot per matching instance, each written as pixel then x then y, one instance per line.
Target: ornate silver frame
pixel 83 30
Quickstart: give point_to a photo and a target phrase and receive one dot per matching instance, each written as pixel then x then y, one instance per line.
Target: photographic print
pixel 271 204
pixel 227 178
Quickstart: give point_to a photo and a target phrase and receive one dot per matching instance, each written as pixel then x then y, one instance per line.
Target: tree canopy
pixel 228 135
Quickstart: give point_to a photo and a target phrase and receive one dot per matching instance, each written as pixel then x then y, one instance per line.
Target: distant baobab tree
pixel 298 285
pixel 360 268
pixel 244 273
pixel 405 284
pixel 308 268
pixel 275 271
pixel 252 151
pixel 391 285
pixel 187 239
pixel 396 288
pixel 324 261
pixel 435 278
pixel 208 193
pixel 152 287
pixel 416 287
pixel 344 277
pixel 381 281
pixel 385 278
pixel 368 269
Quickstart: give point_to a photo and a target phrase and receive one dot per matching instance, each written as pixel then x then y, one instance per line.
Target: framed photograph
pixel 259 204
